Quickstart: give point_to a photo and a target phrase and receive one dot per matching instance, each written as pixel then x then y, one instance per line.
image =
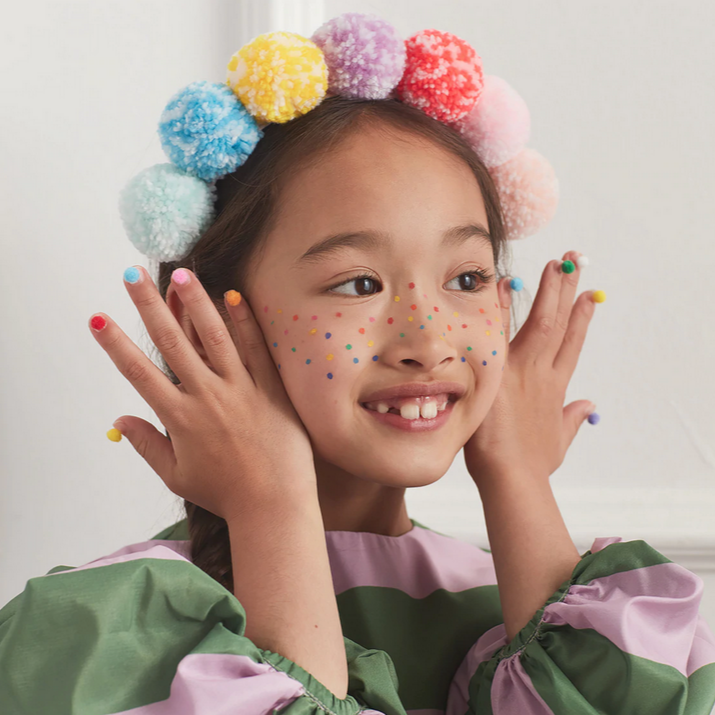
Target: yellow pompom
pixel 278 76
pixel 598 296
pixel 115 435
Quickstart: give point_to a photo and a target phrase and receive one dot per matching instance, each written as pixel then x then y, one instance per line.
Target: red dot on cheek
pixel 412 285
pixel 390 321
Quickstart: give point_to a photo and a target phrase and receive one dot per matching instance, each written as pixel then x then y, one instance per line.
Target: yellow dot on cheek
pixel 314 331
pixel 370 343
pixel 279 310
pixel 329 356
pixel 410 319
pixel 397 299
pixel 489 332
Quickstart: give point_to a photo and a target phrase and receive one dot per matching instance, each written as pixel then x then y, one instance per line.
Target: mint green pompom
pixel 165 211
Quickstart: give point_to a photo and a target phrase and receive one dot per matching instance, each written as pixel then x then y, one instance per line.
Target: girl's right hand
pixel 236 439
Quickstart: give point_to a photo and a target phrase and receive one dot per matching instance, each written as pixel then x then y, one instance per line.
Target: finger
pixel 535 334
pixel 152 445
pixel 147 379
pixel 569 283
pixel 164 330
pixel 210 327
pixel 253 348
pixel 567 357
pixel 505 297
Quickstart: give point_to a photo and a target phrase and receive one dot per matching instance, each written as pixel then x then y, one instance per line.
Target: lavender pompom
pixel 365 55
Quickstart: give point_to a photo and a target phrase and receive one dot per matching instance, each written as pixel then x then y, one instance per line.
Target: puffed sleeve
pixel 145 631
pixel 622 636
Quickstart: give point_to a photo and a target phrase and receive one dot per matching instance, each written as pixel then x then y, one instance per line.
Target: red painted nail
pixel 98 323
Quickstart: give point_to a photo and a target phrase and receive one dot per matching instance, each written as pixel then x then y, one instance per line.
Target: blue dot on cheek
pixel 307 362
pixel 374 358
pixel 330 376
pixel 327 335
pixel 464 359
pixel 275 345
pixel 355 360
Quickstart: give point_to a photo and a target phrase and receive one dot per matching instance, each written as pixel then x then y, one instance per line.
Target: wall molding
pixel 255 17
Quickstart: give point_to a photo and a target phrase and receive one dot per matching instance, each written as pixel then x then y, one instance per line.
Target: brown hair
pixel 245 203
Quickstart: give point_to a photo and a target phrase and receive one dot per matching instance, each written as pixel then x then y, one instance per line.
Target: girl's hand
pixel 236 439
pixel 528 430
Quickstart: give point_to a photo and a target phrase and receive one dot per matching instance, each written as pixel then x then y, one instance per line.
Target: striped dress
pixel 144 631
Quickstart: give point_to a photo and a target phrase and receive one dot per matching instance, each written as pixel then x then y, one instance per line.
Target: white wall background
pixel 622 100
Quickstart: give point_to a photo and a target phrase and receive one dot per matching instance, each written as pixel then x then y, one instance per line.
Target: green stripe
pixel 427 638
pixel 110 638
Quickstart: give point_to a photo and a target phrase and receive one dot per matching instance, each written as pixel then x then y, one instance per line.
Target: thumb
pixel 152 445
pixel 575 414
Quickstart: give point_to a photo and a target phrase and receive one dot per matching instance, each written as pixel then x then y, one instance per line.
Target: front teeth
pixel 428 410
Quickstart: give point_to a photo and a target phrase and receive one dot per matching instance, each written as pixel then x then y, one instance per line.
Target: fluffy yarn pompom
pixel 499 126
pixel 528 191
pixel 278 76
pixel 443 76
pixel 365 55
pixel 165 211
pixel 206 132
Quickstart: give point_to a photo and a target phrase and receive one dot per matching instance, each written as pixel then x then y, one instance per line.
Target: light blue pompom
pixel 206 131
pixel 165 211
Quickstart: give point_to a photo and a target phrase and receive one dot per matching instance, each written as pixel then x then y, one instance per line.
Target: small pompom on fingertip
pixel 443 75
pixel 278 76
pixel 499 126
pixel 365 55
pixel 165 211
pixel 528 192
pixel 114 435
pixel 594 418
pixel 206 131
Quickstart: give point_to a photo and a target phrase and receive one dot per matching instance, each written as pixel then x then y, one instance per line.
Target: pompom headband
pixel 208 130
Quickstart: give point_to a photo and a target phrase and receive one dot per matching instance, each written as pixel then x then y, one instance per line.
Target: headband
pixel 208 130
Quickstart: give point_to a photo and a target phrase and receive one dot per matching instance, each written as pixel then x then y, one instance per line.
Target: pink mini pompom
pixel 443 76
pixel 365 55
pixel 499 126
pixel 528 191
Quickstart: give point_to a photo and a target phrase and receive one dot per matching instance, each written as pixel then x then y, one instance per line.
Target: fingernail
pixel 98 323
pixel 132 275
pixel 516 284
pixel 180 276
pixel 598 296
pixel 233 297
pixel 592 407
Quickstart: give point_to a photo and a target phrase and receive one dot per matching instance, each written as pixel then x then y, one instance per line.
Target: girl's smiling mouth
pixel 415 414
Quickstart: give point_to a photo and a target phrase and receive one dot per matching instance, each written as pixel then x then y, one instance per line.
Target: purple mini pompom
pixel 365 55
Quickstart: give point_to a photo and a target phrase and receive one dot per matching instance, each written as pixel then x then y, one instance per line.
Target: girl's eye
pixel 365 281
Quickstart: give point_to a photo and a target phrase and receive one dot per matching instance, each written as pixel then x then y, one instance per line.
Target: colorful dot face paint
pixel 416 318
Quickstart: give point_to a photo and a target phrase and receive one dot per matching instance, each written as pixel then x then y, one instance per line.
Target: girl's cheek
pixel 328 343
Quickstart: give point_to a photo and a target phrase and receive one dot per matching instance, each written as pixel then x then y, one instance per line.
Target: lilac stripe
pixel 489 643
pixel 513 693
pixel 154 549
pixel 651 612
pixel 213 684
pixel 417 562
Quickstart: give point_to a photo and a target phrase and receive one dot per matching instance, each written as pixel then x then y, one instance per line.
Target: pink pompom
pixel 499 126
pixel 443 76
pixel 528 191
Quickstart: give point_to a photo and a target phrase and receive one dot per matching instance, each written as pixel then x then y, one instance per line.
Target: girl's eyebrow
pixel 370 240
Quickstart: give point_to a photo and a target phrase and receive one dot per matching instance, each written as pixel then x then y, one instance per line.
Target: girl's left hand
pixel 528 430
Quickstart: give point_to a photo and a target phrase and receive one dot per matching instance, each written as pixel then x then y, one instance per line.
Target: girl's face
pixel 415 317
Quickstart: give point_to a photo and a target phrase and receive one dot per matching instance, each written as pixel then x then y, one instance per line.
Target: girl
pixel 336 335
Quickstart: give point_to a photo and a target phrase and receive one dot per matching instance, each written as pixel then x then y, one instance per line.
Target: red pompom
pixel 443 75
